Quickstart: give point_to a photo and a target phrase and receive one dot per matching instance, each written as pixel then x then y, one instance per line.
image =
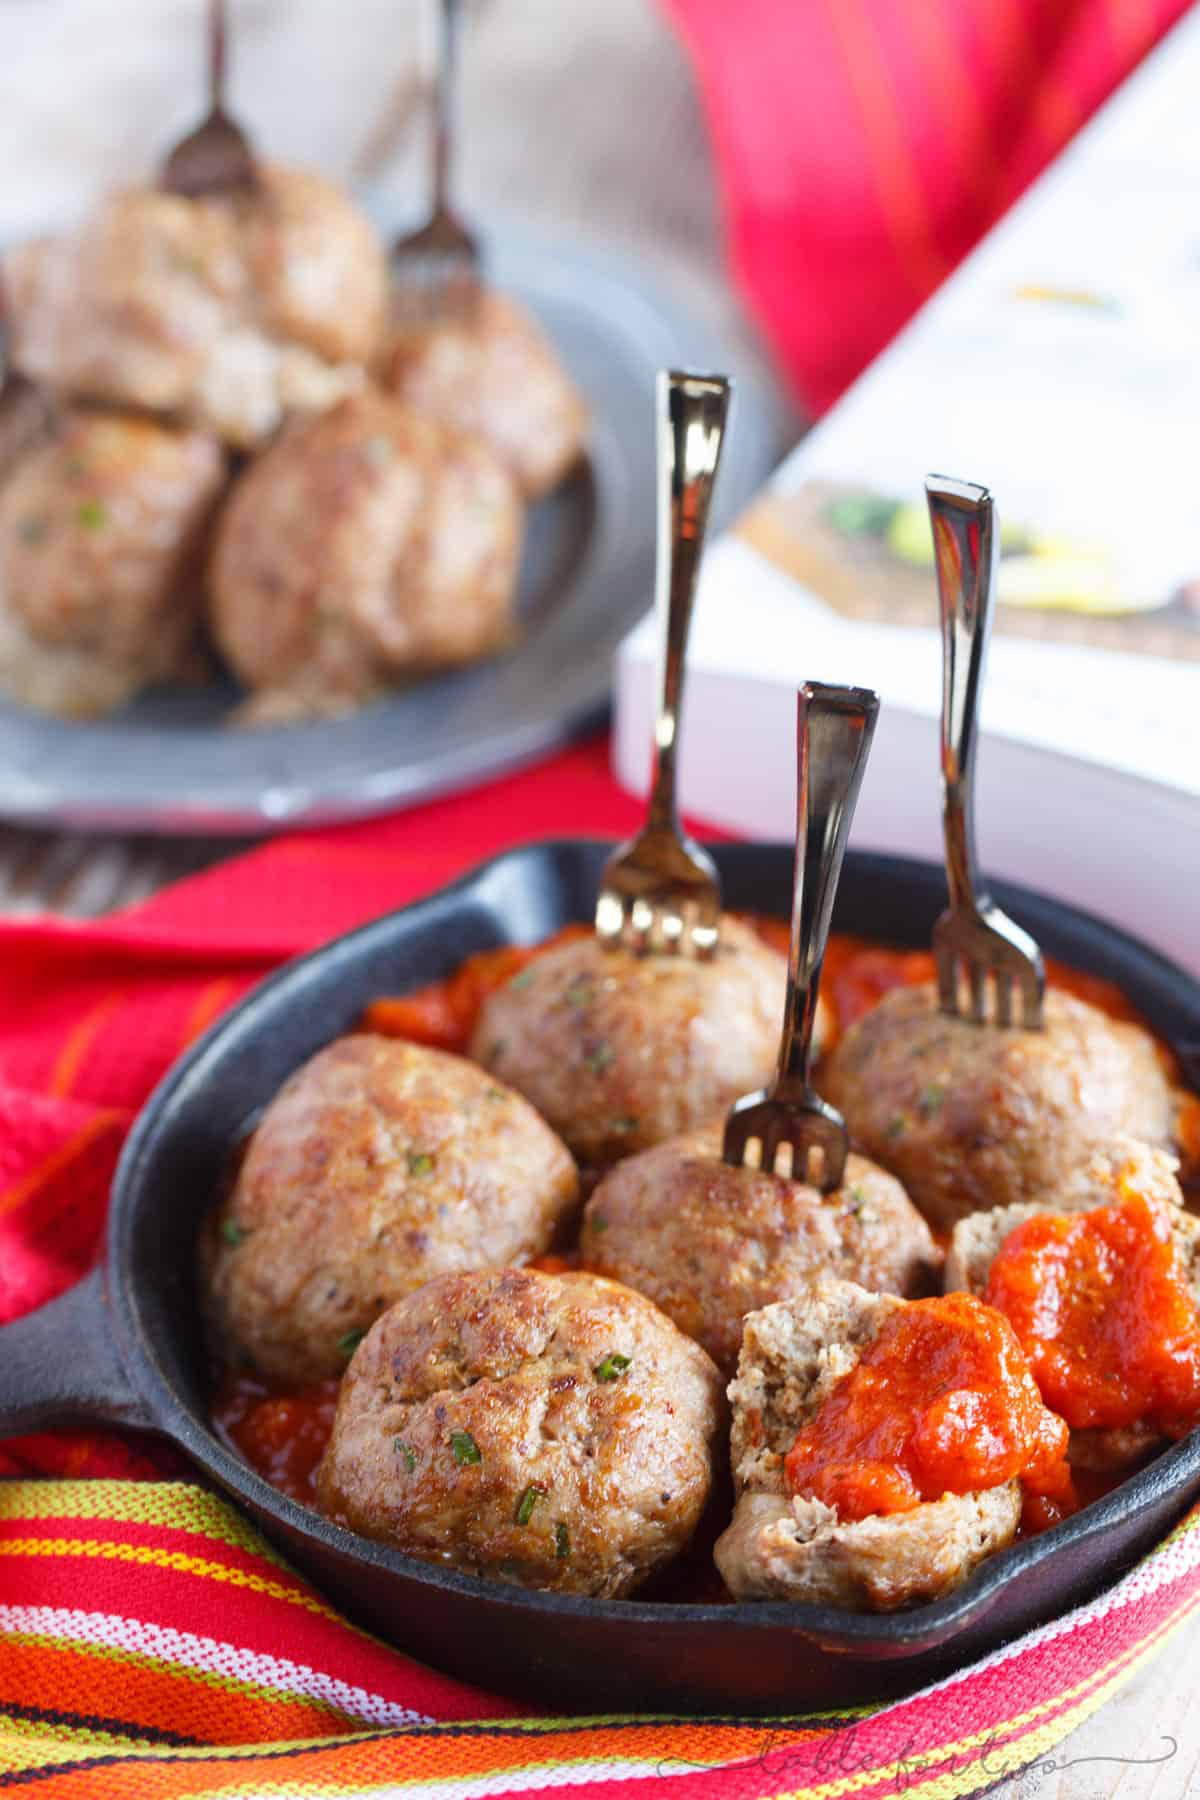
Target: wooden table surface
pixel 617 153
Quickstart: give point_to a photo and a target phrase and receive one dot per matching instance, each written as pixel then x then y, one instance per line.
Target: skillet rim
pixel 904 1633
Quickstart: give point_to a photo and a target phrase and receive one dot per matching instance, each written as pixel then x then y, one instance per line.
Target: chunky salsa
pixel 940 1402
pixel 1103 1308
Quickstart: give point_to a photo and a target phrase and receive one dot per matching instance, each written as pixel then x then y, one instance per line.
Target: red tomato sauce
pixel 281 1434
pixel 940 1402
pixel 1102 1306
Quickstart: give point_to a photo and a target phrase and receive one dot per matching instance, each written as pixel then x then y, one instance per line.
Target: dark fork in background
pixel 437 267
pixel 216 158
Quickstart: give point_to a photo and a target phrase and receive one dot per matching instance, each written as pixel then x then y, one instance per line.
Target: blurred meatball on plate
pixel 363 545
pixel 494 374
pixel 226 313
pixel 102 538
pixel 552 1431
pixel 377 1166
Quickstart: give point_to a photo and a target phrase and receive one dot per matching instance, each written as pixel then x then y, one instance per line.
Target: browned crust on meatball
pixel 483 1425
pixel 377 1166
pixel 227 313
pixel 1123 1163
pixel 102 539
pixel 364 544
pixel 710 1243
pixel 497 376
pixel 971 1117
pixel 620 1051
pixel 779 1547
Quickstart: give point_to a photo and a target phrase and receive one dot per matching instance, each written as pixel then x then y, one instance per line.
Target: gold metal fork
pixel 437 267
pixel 975 944
pixel 787 1127
pixel 659 892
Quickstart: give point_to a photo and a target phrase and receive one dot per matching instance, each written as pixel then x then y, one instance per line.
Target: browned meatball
pixel 552 1431
pixel 782 1546
pixel 497 376
pixel 102 535
pixel 971 1116
pixel 710 1243
pixel 376 1167
pixel 363 544
pixel 621 1051
pixel 226 313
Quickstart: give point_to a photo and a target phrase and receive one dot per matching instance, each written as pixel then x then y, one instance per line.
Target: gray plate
pixel 167 764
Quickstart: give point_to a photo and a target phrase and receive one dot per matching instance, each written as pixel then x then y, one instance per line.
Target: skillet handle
pixel 61 1363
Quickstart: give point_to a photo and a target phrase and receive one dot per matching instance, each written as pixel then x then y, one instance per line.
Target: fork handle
pixel 834 728
pixel 445 73
pixel 218 40
pixel 963 519
pixel 692 410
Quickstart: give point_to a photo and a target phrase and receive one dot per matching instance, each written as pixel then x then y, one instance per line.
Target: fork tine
pixel 833 1171
pixel 977 984
pixel 1004 997
pixel 947 978
pixel 1031 999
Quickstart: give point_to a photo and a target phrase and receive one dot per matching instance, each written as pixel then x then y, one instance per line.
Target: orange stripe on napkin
pixel 58 1160
pixel 213 1001
pixel 78 1042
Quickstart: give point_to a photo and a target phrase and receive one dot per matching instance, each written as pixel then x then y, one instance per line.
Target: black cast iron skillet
pixel 125 1345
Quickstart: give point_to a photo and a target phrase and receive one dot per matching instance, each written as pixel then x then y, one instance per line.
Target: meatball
pixel 785 1547
pixel 494 374
pixel 710 1243
pixel 228 313
pixel 363 544
pixel 102 535
pixel 554 1431
pixel 377 1166
pixel 619 1051
pixel 970 1116
pixel 1112 1172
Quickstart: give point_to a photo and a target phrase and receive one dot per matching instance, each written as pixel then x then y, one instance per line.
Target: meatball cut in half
pixel 379 1165
pixel 362 545
pixel 969 1116
pixel 102 537
pixel 1141 1276
pixel 710 1243
pixel 807 1533
pixel 495 375
pixel 621 1051
pixel 226 313
pixel 555 1431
